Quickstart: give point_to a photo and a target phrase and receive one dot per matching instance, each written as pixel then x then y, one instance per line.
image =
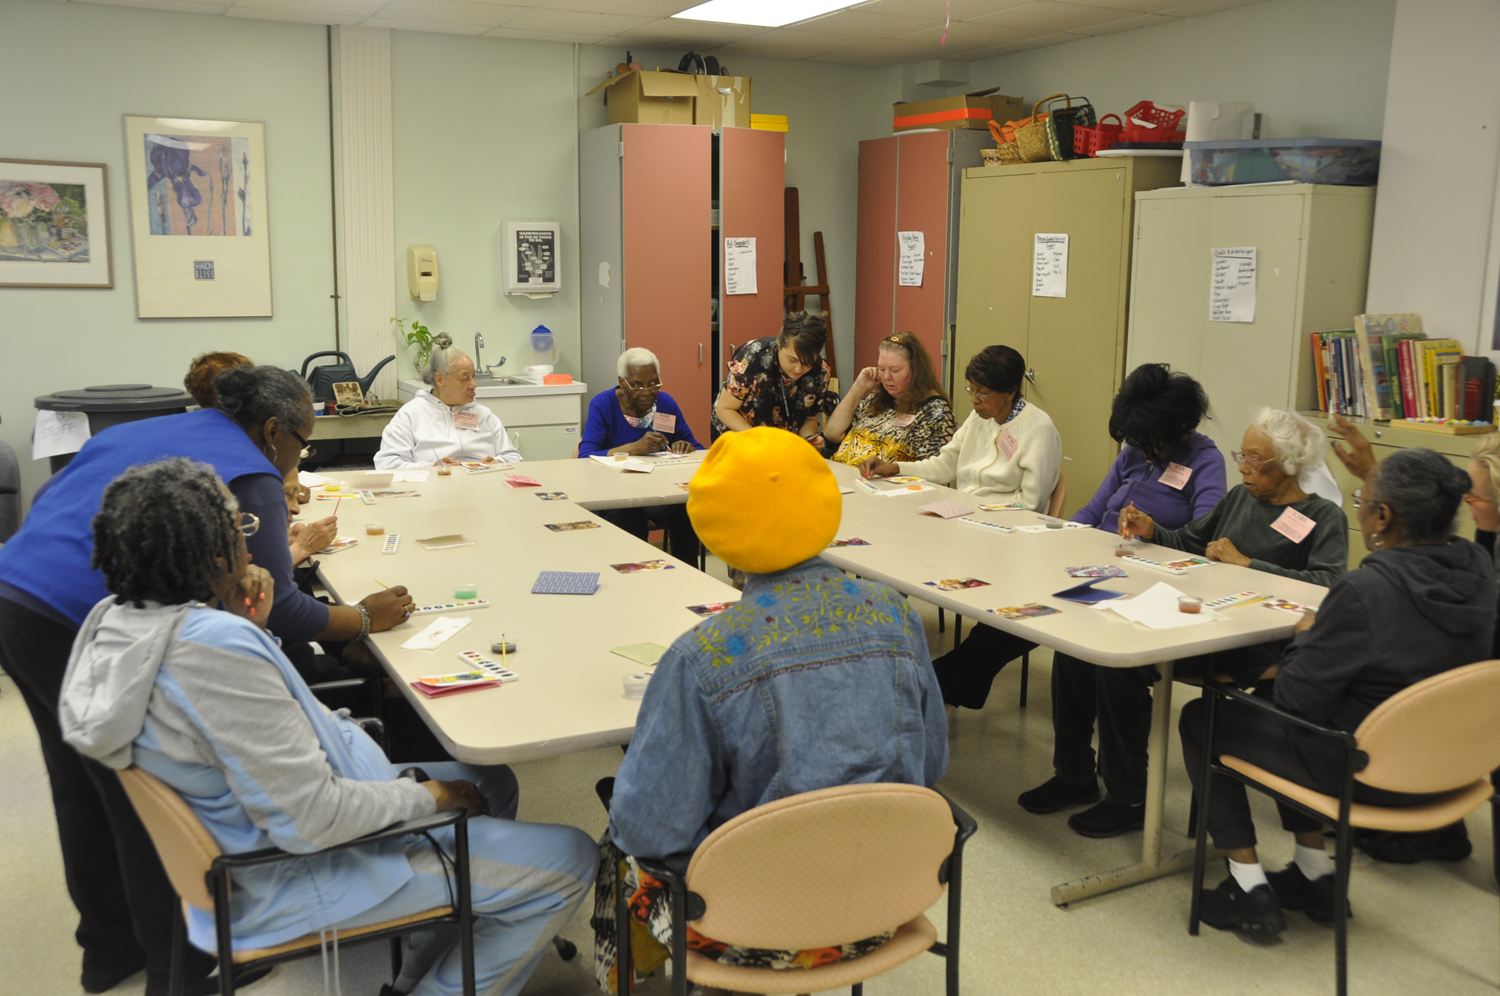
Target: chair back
pixel 1059 497
pixel 1437 735
pixel 186 849
pixel 823 868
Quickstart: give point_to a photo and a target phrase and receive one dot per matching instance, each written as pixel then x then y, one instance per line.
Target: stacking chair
pixel 817 870
pixel 1438 736
pixel 200 873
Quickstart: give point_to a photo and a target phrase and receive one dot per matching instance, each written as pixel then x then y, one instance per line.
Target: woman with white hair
pixel 638 418
pixel 445 425
pixel 1266 522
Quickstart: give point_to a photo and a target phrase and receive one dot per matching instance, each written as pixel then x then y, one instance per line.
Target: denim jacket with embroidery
pixel 812 679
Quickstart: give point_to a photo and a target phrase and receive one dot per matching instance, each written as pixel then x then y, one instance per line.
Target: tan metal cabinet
pixel 1074 346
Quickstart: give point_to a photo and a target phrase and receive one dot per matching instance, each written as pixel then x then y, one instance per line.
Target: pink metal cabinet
pixel 875 252
pixel 752 181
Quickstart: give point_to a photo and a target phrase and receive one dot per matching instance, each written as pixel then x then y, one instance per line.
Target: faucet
pixel 482 372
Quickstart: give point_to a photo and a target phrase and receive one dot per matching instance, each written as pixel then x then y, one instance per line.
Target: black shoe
pixel 1108 820
pixel 1230 907
pixel 102 973
pixel 206 985
pixel 1312 896
pixel 1055 794
pixel 1450 843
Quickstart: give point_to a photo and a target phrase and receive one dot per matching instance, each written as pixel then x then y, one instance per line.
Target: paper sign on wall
pixel 913 258
pixel 1049 270
pixel 57 433
pixel 739 266
pixel 1232 292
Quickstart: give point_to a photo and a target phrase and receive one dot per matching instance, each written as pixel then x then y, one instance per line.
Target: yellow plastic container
pixel 768 122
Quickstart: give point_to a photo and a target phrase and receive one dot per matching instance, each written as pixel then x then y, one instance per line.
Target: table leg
pixel 1152 864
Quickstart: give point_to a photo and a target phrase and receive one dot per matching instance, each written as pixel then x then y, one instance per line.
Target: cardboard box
pixel 970 110
pixel 723 101
pixel 653 98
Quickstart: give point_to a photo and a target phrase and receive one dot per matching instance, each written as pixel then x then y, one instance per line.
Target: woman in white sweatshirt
pixel 445 425
pixel 1007 450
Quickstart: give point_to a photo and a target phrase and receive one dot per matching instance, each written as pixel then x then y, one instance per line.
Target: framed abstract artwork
pixel 198 217
pixel 54 224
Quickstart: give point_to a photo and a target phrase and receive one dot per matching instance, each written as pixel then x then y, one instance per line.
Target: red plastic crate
pixel 1092 141
pixel 1161 124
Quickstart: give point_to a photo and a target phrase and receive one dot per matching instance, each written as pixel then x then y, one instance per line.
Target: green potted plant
pixel 419 336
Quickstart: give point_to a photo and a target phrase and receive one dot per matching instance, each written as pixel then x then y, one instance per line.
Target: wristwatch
pixel 364 620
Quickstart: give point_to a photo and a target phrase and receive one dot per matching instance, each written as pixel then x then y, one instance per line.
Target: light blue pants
pixel 526 881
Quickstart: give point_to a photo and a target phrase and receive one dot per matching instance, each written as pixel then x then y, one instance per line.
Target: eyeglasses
pixel 1358 494
pixel 249 523
pixel 1474 499
pixel 307 450
pixel 979 396
pixel 1240 457
pixel 654 385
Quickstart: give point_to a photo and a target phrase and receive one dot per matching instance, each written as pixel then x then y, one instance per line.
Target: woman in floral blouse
pixel 896 410
pixel 778 381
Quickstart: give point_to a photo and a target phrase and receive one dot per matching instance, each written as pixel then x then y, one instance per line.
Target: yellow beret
pixel 764 500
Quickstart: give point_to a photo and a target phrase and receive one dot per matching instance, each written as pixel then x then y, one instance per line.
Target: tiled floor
pixel 1429 929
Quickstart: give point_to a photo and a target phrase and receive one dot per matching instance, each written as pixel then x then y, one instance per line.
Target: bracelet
pixel 364 620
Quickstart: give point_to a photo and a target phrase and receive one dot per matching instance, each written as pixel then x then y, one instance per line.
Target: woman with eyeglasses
pixel 1006 450
pixel 896 410
pixel 638 418
pixel 253 440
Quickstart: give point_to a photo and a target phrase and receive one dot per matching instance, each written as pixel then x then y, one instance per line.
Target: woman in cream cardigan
pixel 1007 450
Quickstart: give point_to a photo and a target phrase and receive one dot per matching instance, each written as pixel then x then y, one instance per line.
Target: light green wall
pixel 80 68
pixel 1314 67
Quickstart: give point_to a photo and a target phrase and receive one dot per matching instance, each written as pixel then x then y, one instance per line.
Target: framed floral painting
pixel 54 224
pixel 198 217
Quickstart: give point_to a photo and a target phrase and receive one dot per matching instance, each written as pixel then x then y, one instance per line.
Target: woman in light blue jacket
pixel 205 701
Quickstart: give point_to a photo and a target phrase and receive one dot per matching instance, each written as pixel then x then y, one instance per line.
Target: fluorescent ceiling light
pixel 766 13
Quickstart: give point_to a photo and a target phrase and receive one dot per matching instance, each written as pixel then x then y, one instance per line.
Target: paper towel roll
pixel 1208 120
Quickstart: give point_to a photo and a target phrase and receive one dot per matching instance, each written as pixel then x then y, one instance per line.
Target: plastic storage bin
pixel 1349 162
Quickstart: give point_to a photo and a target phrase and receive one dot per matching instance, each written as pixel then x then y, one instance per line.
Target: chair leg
pixel 624 979
pixel 1205 789
pixel 465 903
pixel 1025 675
pixel 396 959
pixel 566 949
pixel 1342 848
pixel 958 629
pixel 221 928
pixel 179 951
pixel 940 619
pixel 858 989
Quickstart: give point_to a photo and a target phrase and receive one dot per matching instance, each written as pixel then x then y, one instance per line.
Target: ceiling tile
pixel 937 10
pixel 864 22
pixel 1128 24
pixel 790 43
pixel 1208 7
pixel 1136 6
pixel 361 8
pixel 181 6
pixel 675 32
pixel 879 53
pixel 1050 15
pixel 452 13
pixel 1041 41
pixel 965 36
pixel 297 16
pixel 639 8
pixel 552 36
pixel 401 24
pixel 576 22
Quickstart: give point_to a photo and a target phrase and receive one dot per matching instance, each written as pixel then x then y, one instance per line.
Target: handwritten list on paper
pixel 912 258
pixel 56 433
pixel 1232 291
pixel 1049 271
pixel 739 266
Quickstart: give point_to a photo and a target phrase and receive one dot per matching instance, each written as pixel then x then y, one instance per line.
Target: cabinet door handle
pixel 700 354
pixel 1031 376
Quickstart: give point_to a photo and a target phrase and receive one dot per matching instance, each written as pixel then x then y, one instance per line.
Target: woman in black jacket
pixel 1421 603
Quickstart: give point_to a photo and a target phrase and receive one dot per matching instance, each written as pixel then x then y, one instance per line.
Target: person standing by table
pixel 1420 604
pixel 444 425
pixel 779 381
pixel 896 410
pixel 638 418
pixel 253 439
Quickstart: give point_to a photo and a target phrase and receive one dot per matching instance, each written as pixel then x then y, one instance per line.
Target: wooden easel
pixel 795 290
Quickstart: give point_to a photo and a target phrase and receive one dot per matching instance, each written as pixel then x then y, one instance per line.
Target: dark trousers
pixel 966 672
pixel 113 875
pixel 1282 749
pixel 682 541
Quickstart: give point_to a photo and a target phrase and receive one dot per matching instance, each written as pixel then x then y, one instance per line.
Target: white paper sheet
pixel 739 266
pixel 438 632
pixel 1049 268
pixel 1232 291
pixel 629 463
pixel 56 433
pixel 410 476
pixel 308 479
pixel 1156 608
pixel 912 247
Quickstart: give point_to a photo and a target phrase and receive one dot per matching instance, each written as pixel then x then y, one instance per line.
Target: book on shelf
pixel 1379 338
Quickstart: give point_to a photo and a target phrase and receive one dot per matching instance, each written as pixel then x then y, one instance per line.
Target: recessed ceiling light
pixel 765 13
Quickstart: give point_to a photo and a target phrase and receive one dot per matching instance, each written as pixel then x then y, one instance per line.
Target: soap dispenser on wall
pixel 422 273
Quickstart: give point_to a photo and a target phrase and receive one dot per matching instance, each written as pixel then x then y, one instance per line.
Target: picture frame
pixel 198 217
pixel 54 224
pixel 533 261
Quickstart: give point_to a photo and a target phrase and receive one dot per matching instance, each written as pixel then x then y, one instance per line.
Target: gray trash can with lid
pixel 111 404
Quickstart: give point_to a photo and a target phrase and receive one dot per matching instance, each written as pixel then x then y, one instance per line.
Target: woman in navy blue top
pixel 638 418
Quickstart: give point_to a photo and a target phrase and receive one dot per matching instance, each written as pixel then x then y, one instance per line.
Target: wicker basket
pixel 1031 135
pixel 992 157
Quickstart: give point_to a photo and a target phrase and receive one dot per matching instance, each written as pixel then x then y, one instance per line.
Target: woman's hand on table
pixel 682 446
pixel 458 795
pixel 876 467
pixel 1306 622
pixel 1224 551
pixel 253 596
pixel 448 462
pixel 651 442
pixel 1135 524
pixel 315 536
pixel 388 608
pixel 1359 458
pixel 817 441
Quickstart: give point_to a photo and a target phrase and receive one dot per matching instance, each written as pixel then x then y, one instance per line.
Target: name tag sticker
pixel 1006 444
pixel 903 421
pixel 466 420
pixel 1176 475
pixel 664 423
pixel 1293 525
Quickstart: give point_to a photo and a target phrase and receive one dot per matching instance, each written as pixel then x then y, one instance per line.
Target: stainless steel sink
pixel 504 381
